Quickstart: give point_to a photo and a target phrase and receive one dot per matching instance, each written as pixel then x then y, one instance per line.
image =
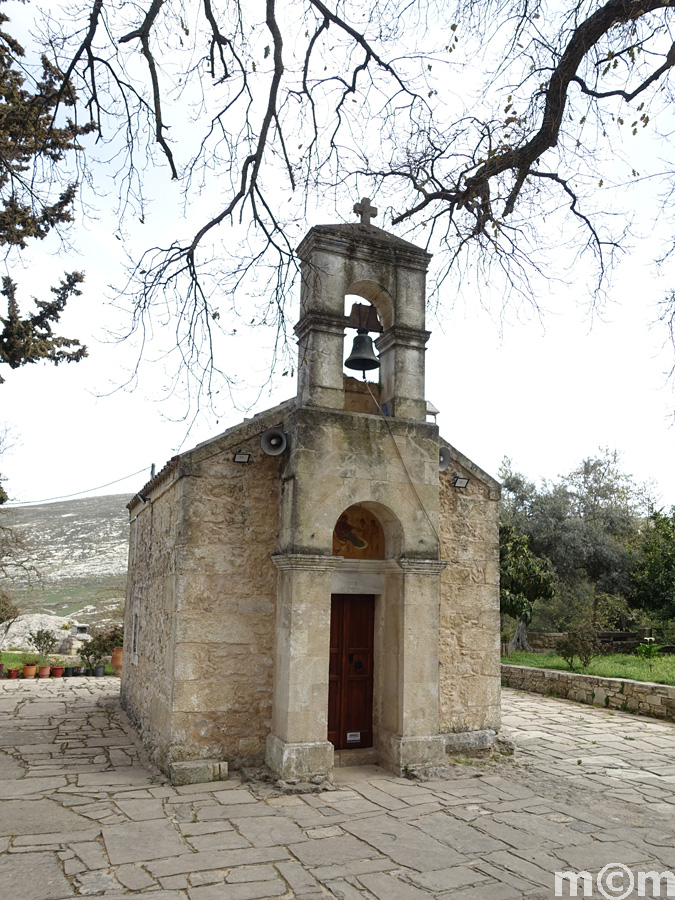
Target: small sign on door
pixel 353 736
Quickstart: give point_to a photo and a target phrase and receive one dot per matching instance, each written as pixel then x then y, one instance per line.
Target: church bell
pixel 362 356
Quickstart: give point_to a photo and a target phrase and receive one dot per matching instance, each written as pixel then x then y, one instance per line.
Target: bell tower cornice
pixel 390 274
pixel 363 242
pixel 316 320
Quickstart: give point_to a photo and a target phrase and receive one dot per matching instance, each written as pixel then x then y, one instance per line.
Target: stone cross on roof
pixel 365 210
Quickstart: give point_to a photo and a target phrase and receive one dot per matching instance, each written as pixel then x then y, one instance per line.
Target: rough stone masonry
pixel 313 581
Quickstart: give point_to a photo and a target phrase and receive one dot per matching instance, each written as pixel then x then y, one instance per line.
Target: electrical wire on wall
pixel 100 487
pixel 405 468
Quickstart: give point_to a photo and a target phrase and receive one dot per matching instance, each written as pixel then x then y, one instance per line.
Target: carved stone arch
pixel 367 530
pixel 378 296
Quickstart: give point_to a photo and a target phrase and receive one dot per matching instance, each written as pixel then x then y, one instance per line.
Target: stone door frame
pixel 405 689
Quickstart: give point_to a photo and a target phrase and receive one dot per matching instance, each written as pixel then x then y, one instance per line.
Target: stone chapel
pixel 319 585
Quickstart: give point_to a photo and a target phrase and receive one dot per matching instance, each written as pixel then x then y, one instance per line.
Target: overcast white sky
pixel 545 393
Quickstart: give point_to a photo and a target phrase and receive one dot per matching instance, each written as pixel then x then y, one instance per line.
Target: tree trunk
pixel 519 639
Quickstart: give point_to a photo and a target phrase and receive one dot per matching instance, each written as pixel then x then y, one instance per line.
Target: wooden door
pixel 350 690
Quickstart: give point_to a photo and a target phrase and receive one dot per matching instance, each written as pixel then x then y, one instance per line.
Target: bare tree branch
pixel 324 98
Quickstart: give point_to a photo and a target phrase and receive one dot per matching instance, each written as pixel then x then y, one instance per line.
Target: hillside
pixel 79 548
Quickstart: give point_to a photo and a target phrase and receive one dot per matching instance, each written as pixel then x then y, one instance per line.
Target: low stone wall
pixel 544 640
pixel 619 641
pixel 644 697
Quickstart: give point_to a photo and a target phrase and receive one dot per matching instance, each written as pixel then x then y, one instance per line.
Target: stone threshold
pixel 364 756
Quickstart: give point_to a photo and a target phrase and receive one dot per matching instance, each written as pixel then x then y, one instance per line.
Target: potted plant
pixel 57 667
pixel 86 660
pixel 90 655
pixel 44 667
pixel 115 643
pixel 44 642
pixel 12 670
pixel 97 648
pixel 68 671
pixel 30 663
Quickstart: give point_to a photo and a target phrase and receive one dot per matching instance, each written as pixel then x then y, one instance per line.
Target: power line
pixel 77 493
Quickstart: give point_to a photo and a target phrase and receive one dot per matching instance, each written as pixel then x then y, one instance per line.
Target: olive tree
pixel 524 578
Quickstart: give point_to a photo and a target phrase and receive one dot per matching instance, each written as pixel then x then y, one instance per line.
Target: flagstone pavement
pixel 82 812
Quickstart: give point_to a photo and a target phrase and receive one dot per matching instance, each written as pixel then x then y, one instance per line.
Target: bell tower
pixel 389 273
pixel 352 473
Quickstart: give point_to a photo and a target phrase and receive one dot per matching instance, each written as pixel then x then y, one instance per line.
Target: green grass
pixel 11 659
pixel 614 665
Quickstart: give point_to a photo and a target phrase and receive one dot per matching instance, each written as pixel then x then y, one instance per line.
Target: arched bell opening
pixel 373 293
pixel 361 377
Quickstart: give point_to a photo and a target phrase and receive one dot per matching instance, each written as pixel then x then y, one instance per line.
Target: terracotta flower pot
pixel 12 673
pixel 57 671
pixel 43 671
pixel 116 660
pixel 29 671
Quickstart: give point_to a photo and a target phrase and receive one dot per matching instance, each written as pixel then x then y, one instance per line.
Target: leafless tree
pixel 493 128
pixel 9 613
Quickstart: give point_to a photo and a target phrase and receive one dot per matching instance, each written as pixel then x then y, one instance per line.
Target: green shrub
pixel 582 643
pixel 648 651
pixel 43 641
pixel 96 648
pixel 114 637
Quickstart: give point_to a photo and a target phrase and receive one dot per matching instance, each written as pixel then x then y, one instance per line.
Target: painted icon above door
pixel 358 535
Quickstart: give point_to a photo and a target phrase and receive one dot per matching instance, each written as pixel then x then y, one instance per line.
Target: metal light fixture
pixel 432 411
pixel 460 481
pixel 241 457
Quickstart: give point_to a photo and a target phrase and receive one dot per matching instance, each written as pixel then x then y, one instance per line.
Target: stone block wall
pixel 202 597
pixel 469 651
pixel 154 544
pixel 613 693
pixel 226 606
pixel 544 640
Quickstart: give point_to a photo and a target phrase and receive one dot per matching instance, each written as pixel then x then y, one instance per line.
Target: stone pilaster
pixel 402 352
pixel 297 746
pixel 320 351
pixel 416 742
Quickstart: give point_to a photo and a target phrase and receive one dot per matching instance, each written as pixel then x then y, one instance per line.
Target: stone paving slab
pixel 142 841
pixel 404 843
pixel 84 814
pixel 38 817
pixel 34 876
